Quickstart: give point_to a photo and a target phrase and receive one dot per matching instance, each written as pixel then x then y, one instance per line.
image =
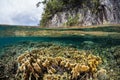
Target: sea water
pixel 12 45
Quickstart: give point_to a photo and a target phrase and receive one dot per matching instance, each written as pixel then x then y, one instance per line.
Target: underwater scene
pixel 31 53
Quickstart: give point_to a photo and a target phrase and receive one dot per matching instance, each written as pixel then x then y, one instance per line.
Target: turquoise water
pixel 107 48
pixel 66 40
pixel 82 42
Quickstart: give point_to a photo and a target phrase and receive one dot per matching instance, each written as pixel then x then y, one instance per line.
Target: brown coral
pixel 38 65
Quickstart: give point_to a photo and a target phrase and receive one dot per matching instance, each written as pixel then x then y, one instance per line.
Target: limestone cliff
pixel 85 13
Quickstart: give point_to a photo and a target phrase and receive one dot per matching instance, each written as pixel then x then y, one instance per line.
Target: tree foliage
pixel 54 6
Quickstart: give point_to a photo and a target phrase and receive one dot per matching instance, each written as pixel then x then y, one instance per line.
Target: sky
pixel 20 12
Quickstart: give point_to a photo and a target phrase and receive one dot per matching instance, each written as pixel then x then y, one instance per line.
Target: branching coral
pixel 40 64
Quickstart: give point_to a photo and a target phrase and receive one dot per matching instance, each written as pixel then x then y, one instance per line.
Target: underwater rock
pixel 88 44
pixel 102 74
pixel 2 67
pixel 117 55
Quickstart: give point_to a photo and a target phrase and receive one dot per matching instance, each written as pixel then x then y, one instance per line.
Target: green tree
pixel 54 6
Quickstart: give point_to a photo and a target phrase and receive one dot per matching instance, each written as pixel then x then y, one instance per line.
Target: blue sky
pixel 20 12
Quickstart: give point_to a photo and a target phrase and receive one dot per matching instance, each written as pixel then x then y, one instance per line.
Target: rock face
pixel 107 12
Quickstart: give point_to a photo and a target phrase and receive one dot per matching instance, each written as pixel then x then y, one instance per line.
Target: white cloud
pixel 20 12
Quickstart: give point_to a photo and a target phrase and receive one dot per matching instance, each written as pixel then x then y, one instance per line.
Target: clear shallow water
pixel 6 39
pixel 104 29
pixel 105 47
pixel 67 40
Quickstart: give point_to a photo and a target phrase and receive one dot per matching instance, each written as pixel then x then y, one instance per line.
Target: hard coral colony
pixel 41 65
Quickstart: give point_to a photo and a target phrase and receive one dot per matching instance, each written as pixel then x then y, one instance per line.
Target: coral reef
pixel 8 68
pixel 57 63
pixel 69 54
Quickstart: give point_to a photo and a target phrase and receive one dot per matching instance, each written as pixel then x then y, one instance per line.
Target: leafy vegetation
pixel 72 21
pixel 54 6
